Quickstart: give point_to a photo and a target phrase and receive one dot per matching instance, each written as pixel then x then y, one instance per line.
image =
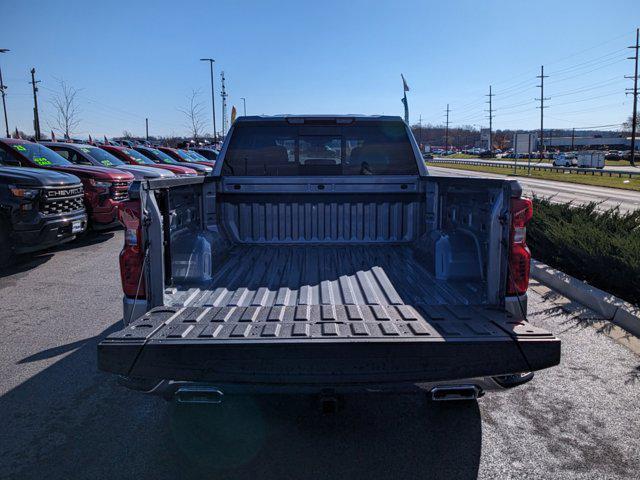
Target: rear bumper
pixel 167 389
pixel 48 232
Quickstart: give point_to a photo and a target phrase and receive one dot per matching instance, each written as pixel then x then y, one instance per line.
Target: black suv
pixel 38 209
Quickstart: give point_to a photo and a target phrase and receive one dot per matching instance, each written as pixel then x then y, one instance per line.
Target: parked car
pixel 38 209
pixel 133 157
pixel 185 156
pixel 368 275
pixel 208 153
pixel 85 154
pixel 565 160
pixel 104 188
pixel 164 159
pixel 427 156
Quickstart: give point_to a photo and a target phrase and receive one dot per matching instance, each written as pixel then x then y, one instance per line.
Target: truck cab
pixel 104 188
pixel 38 209
pixel 322 256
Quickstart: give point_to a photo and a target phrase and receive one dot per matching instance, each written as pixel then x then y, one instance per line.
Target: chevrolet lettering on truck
pixel 320 256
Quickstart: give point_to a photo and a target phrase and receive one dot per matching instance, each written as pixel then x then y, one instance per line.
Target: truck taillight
pixel 132 254
pixel 519 254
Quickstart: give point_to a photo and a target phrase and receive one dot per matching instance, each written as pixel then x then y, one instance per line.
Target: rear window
pixel 371 148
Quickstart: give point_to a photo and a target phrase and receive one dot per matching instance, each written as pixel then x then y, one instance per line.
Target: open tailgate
pixel 326 344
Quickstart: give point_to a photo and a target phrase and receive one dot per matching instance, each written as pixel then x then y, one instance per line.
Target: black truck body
pixel 38 209
pixel 321 256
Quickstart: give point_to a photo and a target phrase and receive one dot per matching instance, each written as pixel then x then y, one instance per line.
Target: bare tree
pixel 194 112
pixel 65 105
pixel 127 134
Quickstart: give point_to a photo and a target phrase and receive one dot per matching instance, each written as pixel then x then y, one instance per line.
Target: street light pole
pixel 213 101
pixel 244 105
pixel 3 87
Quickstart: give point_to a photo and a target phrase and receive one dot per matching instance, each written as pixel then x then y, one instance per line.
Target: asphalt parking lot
pixel 64 419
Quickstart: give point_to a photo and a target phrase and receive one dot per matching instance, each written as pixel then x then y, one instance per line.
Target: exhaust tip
pixel 455 392
pixel 199 394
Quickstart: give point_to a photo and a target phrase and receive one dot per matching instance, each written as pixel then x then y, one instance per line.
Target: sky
pixel 140 59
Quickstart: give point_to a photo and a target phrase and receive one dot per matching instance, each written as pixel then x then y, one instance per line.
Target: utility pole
pixel 542 76
pixel 446 132
pixel 36 118
pixel 244 106
pixel 146 124
pixel 213 101
pixel 491 95
pixel 3 87
pixel 634 92
pixel 223 94
pixel 573 139
pixel 420 131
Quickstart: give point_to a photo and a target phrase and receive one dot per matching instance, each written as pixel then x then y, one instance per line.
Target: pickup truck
pixel 321 257
pixel 133 157
pixel 104 188
pixel 86 154
pixel 38 209
pixel 162 158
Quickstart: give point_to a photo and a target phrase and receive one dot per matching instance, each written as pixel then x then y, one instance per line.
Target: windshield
pixel 367 148
pixel 195 156
pixel 39 154
pixel 102 156
pixel 137 157
pixel 161 157
pixel 183 155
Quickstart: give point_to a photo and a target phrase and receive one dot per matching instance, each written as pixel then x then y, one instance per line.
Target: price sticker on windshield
pixel 106 163
pixel 20 148
pixel 41 161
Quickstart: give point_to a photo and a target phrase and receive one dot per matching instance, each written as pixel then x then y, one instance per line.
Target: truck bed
pixel 284 314
pixel 268 276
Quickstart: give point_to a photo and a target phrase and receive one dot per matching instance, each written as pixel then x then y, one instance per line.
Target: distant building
pixel 597 142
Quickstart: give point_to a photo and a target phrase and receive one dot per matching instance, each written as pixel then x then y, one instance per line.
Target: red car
pixel 186 156
pixel 104 188
pixel 133 157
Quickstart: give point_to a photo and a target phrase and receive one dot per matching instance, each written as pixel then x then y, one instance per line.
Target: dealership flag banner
pixel 233 114
pixel 404 99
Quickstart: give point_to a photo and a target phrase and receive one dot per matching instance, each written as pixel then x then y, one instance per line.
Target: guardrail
pixel 525 166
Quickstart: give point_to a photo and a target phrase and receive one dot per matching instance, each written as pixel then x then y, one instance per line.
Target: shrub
pixel 600 247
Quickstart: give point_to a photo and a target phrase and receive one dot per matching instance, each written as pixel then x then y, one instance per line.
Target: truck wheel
pixel 6 249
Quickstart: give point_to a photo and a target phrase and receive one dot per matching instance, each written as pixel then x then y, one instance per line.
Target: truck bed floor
pixel 324 275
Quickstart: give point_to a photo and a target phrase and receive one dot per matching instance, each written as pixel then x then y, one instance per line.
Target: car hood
pixel 177 169
pixel 96 173
pixel 141 173
pixel 199 168
pixel 36 177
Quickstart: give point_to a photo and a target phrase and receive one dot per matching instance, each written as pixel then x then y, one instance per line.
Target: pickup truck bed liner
pixel 325 275
pixel 284 314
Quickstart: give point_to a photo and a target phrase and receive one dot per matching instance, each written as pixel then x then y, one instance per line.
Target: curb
pixel 609 306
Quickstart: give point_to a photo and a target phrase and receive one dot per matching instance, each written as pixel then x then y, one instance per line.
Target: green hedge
pixel 602 248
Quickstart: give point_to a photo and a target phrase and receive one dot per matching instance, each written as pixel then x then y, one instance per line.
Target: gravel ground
pixel 63 419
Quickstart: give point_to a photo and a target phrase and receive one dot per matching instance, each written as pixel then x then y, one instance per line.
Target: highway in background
pixel 558 192
pixel 626 168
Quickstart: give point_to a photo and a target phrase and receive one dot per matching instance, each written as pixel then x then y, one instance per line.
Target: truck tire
pixel 6 248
